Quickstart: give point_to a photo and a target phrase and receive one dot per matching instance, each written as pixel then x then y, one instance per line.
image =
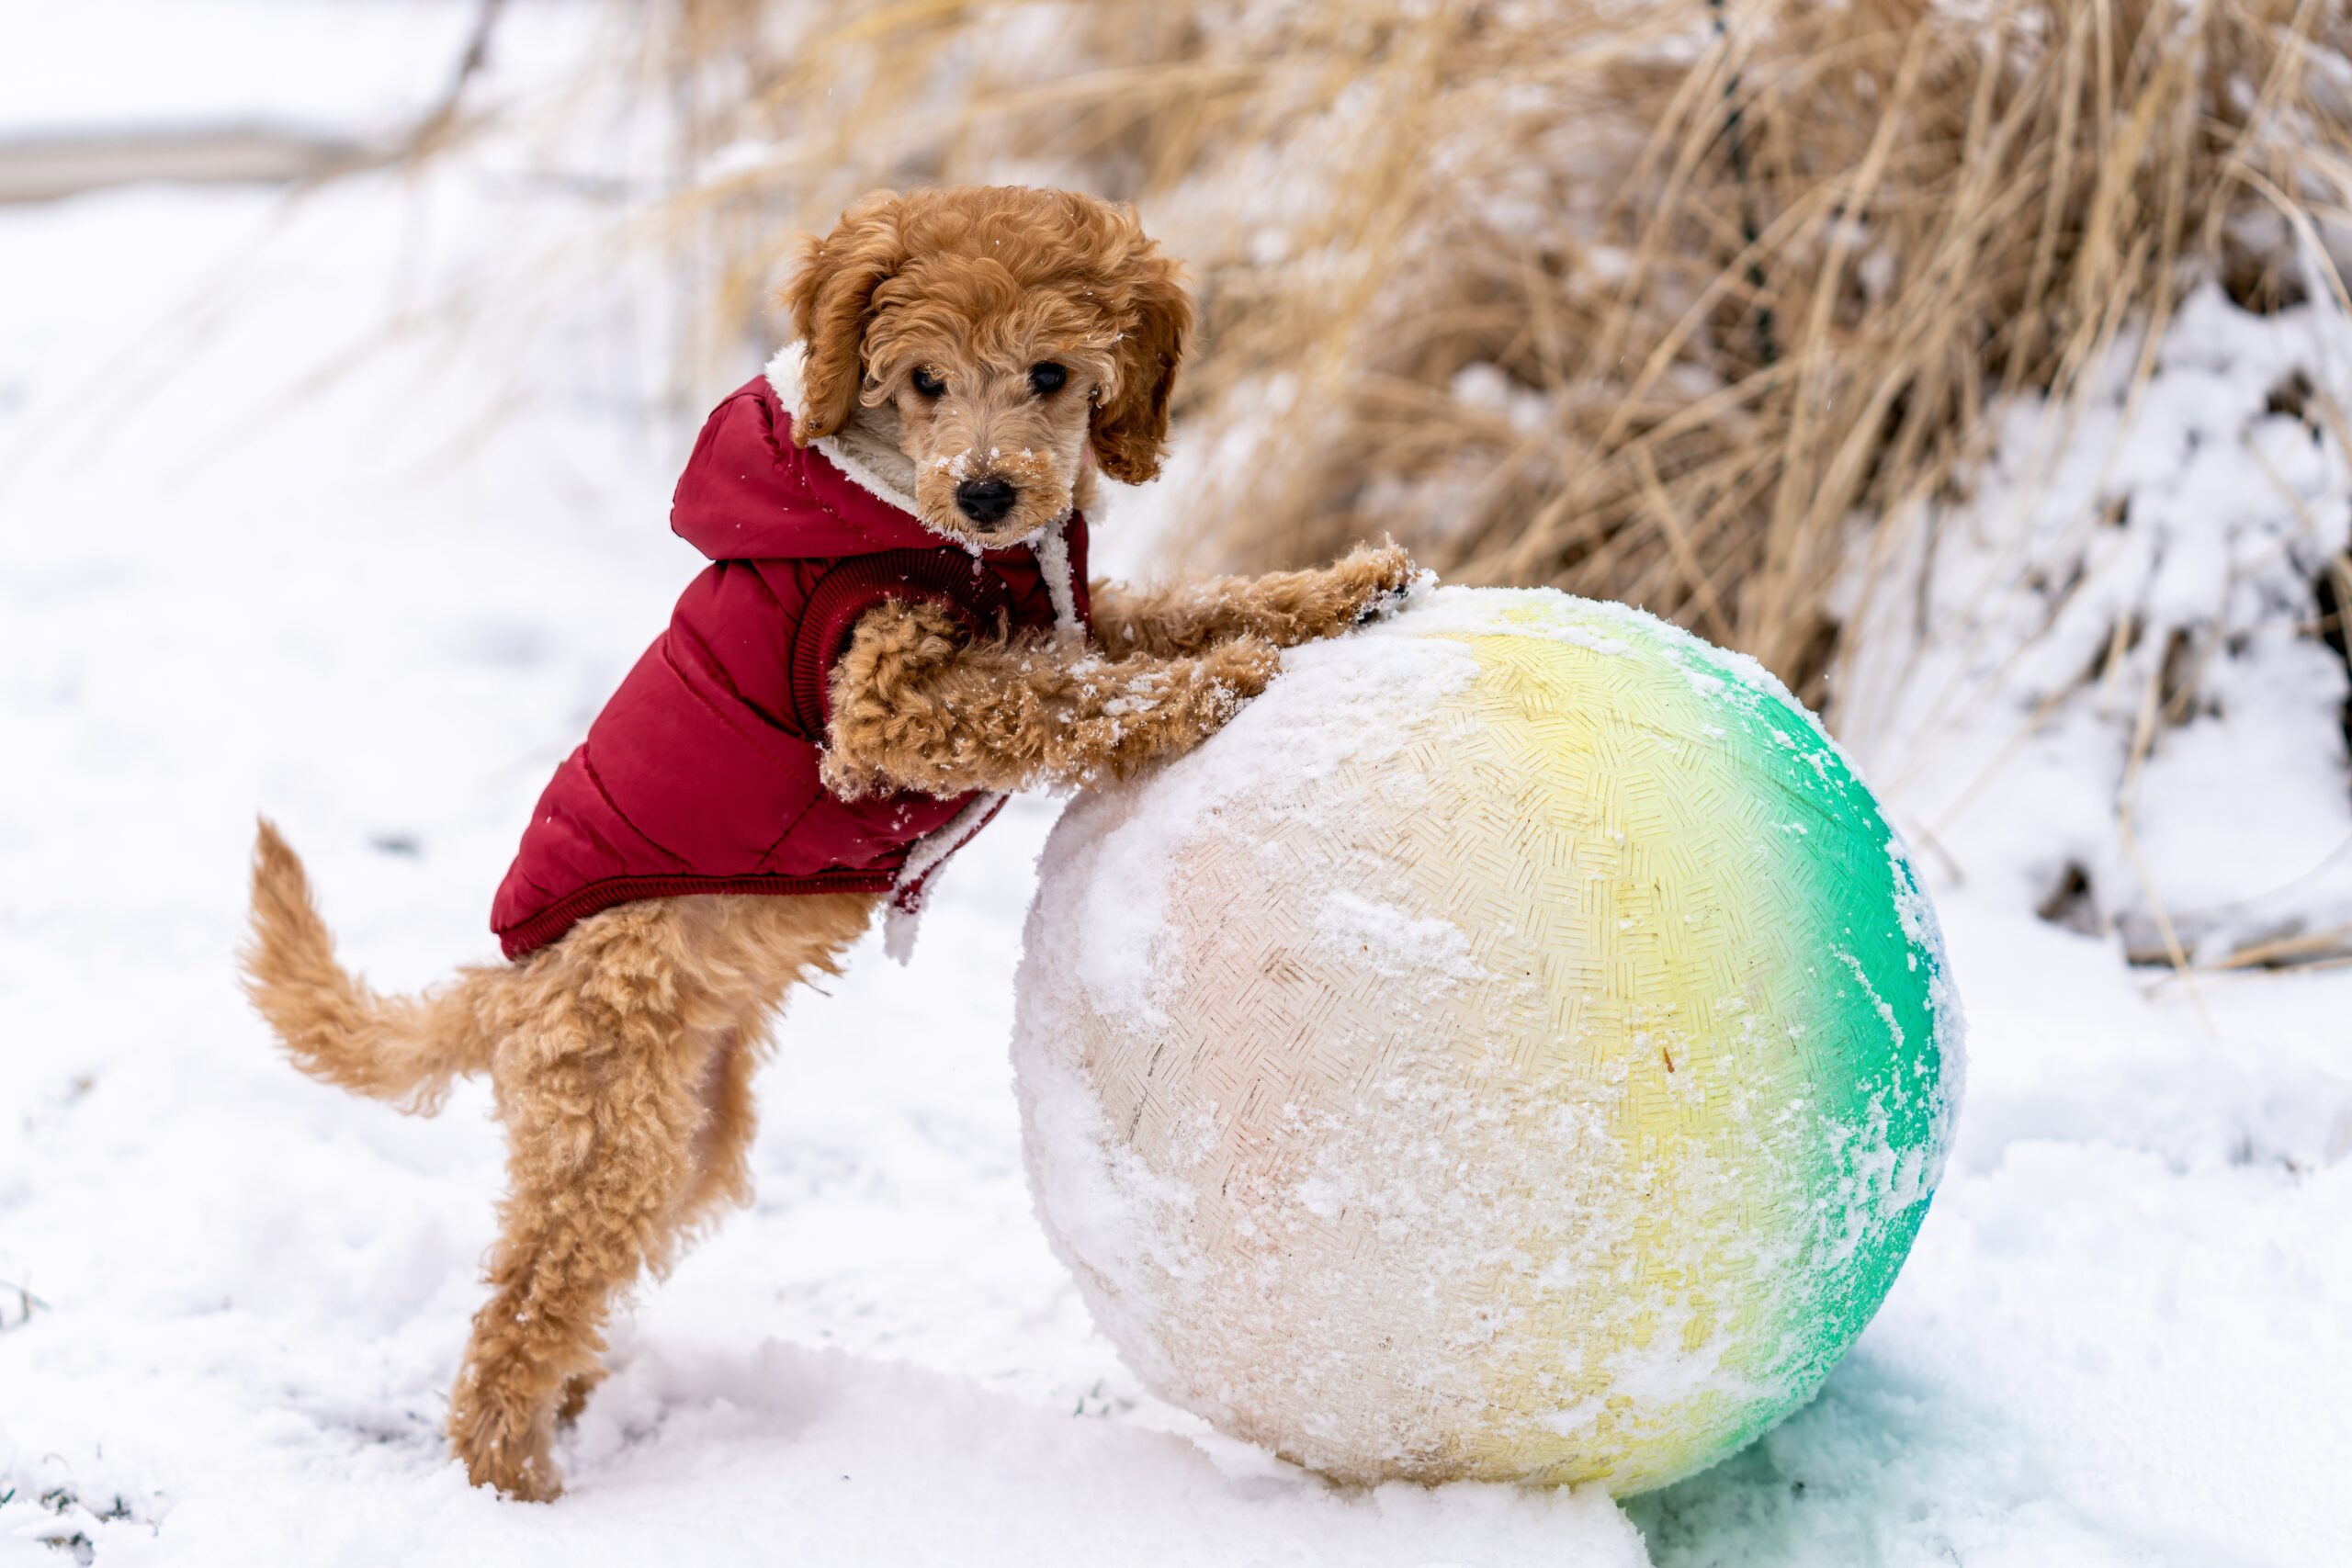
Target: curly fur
pixel 913 708
pixel 622 1055
pixel 976 287
pixel 621 1058
pixel 1285 608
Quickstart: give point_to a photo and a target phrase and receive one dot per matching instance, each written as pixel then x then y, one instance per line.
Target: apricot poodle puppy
pixel 895 626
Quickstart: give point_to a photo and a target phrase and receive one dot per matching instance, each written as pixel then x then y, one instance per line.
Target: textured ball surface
pixel 1516 1048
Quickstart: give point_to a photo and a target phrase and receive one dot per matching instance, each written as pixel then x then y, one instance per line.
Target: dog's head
pixel 1011 331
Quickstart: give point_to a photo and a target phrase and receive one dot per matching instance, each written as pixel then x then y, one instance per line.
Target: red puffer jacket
pixel 700 774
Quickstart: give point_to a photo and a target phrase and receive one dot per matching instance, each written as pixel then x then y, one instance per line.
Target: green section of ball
pixel 1517 1048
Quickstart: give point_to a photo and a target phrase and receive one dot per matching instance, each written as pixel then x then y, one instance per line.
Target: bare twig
pixel 28 1303
pixel 437 125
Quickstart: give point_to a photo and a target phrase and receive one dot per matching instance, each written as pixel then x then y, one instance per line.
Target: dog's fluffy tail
pixel 404 1049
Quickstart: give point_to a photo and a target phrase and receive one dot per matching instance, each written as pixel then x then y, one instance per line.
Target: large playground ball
pixel 1515 1048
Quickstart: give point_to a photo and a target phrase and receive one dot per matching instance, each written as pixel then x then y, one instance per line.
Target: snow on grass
pixel 2115 666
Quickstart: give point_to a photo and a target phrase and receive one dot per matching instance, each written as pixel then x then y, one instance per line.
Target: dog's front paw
pixel 1242 667
pixel 845 779
pixel 1374 579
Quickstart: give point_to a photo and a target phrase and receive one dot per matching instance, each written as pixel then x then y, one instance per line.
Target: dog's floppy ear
pixel 1130 427
pixel 831 297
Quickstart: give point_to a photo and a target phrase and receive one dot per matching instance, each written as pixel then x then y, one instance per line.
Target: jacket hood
pixel 748 493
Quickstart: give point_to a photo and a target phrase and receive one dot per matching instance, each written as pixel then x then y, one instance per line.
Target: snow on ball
pixel 1515 1048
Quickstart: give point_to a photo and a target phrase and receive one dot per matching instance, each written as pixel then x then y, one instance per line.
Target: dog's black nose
pixel 985 501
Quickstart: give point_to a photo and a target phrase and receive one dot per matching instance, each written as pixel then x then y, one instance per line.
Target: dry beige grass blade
pixel 1658 302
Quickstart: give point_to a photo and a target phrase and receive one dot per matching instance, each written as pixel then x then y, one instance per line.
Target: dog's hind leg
pixel 602 1104
pixel 576 1390
pixel 721 1171
pixel 722 1145
pixel 756 951
pixel 726 964
pixel 718 1170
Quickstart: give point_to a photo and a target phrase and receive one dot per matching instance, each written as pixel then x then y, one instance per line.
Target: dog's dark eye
pixel 928 385
pixel 1047 379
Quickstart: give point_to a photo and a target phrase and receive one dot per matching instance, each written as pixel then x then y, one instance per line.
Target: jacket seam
pixel 595 779
pixel 757 742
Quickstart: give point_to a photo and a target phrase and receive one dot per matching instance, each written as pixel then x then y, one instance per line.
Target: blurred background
pixel 1980 367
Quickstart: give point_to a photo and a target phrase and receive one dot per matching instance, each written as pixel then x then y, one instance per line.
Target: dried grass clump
pixel 1651 302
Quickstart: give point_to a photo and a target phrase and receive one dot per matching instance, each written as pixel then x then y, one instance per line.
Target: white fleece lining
pixel 784 375
pixel 898 924
pixel 1052 550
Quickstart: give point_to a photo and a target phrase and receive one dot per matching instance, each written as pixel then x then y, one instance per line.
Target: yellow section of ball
pixel 1419 1086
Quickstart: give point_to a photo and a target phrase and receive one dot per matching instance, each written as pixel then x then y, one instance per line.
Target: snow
pixel 356 64
pixel 1122 925
pixel 251 1290
pixel 258 550
pixel 1395 941
pixel 2159 549
pixel 1321 1127
pixel 2119 1338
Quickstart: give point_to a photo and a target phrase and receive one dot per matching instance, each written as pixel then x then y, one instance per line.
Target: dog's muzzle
pixel 985 500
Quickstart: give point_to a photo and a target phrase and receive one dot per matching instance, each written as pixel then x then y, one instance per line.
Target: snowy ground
pixel 258 552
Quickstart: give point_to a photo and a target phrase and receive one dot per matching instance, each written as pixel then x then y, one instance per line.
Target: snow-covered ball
pixel 1515 1048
